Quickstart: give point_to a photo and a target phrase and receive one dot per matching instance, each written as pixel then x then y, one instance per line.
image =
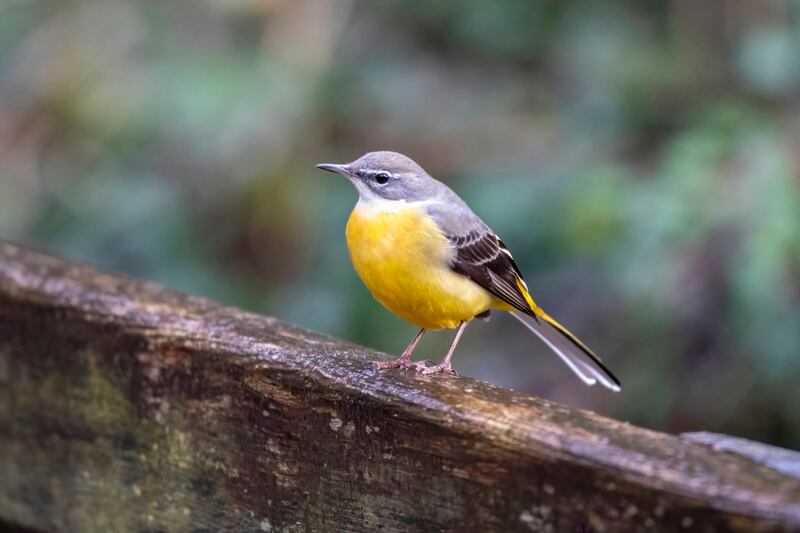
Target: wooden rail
pixel 127 407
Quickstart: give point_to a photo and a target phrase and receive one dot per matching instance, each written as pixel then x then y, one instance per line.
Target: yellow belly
pixel 402 257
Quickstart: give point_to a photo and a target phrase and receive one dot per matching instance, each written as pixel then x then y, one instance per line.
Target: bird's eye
pixel 382 178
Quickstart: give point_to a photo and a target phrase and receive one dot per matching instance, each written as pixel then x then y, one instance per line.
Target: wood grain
pixel 127 407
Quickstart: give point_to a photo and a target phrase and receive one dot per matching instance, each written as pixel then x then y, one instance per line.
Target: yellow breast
pixel 403 258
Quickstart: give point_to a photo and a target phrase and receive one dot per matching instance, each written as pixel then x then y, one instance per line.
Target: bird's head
pixel 386 175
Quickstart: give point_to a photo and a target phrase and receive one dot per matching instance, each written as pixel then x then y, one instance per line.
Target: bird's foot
pixel 441 368
pixel 420 366
pixel 403 362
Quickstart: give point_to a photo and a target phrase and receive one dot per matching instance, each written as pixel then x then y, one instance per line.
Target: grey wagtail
pixel 428 258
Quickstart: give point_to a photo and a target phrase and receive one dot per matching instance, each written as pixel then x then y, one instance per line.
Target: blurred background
pixel 641 159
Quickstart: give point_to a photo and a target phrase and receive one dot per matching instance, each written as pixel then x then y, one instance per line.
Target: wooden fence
pixel 127 407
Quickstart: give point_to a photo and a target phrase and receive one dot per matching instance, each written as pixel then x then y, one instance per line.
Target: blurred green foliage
pixel 640 158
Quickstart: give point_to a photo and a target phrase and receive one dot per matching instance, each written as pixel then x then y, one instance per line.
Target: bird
pixel 428 258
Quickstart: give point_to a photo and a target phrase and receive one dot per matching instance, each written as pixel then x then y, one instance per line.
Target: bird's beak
pixel 344 170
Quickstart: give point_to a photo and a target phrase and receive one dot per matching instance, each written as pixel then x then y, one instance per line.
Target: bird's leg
pixel 404 361
pixel 445 366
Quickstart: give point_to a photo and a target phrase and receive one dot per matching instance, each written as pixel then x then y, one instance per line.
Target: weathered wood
pixel 780 459
pixel 126 407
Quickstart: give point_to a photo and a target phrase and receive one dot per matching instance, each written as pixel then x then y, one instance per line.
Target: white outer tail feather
pixel 572 356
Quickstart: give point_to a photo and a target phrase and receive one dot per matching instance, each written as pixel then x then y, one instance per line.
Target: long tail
pixel 578 357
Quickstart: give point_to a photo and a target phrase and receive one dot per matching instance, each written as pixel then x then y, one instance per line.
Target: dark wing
pixel 482 257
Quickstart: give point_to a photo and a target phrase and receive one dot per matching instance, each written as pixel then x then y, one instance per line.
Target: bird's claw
pixel 421 367
pixel 441 368
pixel 402 362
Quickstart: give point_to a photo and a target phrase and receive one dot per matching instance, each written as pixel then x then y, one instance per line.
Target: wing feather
pixel 482 257
pixel 479 254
